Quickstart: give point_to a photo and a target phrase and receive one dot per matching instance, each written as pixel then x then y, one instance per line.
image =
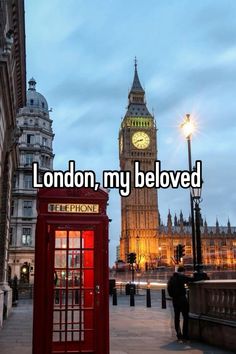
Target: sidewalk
pixel 16 335
pixel 133 330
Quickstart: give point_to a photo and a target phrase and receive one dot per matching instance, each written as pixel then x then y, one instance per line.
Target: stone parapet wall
pixel 213 312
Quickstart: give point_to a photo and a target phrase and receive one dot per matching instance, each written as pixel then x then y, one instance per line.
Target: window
pixel 27 208
pixel 45 161
pixel 30 138
pixel 12 207
pixel 14 181
pixel 223 242
pixel 10 236
pixel 212 242
pixel 31 102
pixel 26 238
pixel 28 159
pixel 27 181
pixel 44 141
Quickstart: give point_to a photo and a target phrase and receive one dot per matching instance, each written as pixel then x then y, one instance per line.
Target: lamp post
pixel 188 128
pixel 138 260
pixel 196 196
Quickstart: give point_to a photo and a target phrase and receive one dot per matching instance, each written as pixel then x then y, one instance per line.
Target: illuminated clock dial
pixel 141 140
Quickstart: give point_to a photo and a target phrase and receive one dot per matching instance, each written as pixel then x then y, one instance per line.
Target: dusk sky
pixel 81 53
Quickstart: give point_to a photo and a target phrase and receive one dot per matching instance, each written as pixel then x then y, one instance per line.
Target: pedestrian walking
pixel 177 291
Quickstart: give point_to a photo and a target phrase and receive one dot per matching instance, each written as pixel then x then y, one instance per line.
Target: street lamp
pixel 138 239
pixel 188 128
pixel 196 196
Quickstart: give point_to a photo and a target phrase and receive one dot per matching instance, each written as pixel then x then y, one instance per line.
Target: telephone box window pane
pixel 60 239
pixel 74 239
pixel 60 259
pixel 89 320
pixel 88 239
pixel 88 298
pixel 88 259
pixel 88 278
pixel 74 259
pixel 75 275
pixel 73 279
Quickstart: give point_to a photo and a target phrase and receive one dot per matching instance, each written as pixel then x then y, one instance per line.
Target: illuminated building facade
pixel 139 211
pixel 218 243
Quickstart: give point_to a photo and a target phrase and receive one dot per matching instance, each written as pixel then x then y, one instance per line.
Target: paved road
pixel 133 330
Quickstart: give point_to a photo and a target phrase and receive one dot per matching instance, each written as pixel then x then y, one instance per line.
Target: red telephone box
pixel 71 272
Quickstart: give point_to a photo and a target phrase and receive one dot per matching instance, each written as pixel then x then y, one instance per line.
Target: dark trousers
pixel 181 306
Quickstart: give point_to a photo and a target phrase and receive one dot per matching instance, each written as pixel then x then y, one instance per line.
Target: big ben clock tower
pixel 139 211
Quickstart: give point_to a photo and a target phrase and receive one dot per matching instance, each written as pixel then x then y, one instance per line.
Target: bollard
pixel 148 298
pixel 163 299
pixel 114 297
pixel 132 302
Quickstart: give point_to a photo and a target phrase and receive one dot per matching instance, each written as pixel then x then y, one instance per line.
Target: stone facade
pixel 35 145
pixel 218 242
pixel 12 97
pixel 139 210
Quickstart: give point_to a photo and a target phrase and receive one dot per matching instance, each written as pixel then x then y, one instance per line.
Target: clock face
pixel 140 140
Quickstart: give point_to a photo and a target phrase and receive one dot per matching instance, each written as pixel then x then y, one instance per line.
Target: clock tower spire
pixel 139 211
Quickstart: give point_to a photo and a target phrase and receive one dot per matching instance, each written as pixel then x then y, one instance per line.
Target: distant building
pixel 12 97
pixel 117 252
pixel 218 242
pixel 35 145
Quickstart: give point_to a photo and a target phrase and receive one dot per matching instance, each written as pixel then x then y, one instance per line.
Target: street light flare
pixel 187 126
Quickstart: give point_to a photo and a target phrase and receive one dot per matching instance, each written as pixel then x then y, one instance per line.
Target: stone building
pixel 35 145
pixel 218 243
pixel 12 97
pixel 139 210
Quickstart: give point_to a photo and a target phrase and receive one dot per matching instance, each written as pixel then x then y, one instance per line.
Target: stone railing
pixel 213 312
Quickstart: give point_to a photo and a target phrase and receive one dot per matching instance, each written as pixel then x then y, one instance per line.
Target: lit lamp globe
pixel 196 193
pixel 187 127
pixel 24 270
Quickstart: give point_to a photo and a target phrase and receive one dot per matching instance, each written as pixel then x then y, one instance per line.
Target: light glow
pixel 187 126
pixel 24 270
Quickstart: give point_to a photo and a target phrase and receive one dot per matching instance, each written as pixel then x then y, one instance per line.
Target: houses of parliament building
pixel 142 232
